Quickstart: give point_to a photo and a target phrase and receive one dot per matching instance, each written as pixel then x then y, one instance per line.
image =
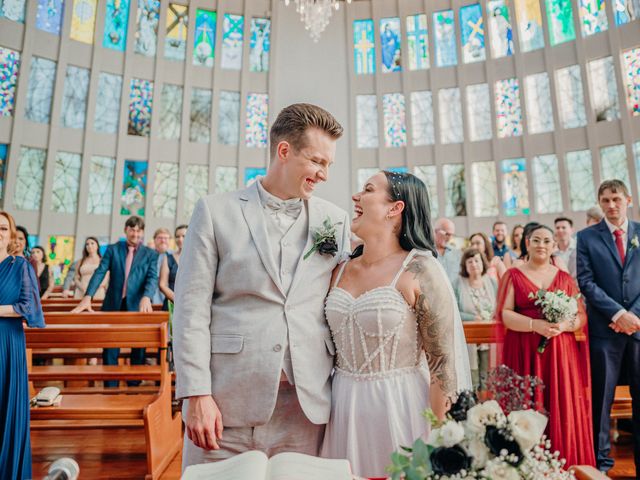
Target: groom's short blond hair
pixel 294 120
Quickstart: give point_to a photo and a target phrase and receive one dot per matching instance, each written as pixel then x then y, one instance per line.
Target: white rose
pixel 434 438
pixel 496 469
pixel 479 452
pixel 527 427
pixel 451 433
pixel 487 413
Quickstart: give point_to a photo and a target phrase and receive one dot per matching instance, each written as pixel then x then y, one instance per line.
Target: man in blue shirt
pixel 499 242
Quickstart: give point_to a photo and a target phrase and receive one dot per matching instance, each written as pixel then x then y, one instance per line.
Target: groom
pixel 252 348
pixel 608 265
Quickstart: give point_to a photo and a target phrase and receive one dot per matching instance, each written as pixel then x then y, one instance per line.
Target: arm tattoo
pixel 434 313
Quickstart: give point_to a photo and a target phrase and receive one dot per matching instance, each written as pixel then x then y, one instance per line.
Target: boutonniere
pixel 324 239
pixel 634 242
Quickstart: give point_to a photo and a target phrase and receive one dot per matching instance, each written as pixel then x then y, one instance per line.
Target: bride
pixel 395 322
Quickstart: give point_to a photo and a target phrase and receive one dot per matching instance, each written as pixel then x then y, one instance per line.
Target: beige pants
pixel 288 430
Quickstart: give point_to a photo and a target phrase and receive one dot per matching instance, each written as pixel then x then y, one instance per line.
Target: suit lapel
pixel 315 220
pixel 631 250
pixel 607 238
pixel 254 216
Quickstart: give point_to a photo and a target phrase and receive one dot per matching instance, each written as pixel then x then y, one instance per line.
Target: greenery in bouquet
pixel 556 307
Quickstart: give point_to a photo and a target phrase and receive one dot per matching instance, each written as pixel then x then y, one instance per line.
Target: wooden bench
pixel 68 306
pixel 151 411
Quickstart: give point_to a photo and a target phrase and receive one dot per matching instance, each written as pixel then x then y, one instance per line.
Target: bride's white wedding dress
pixel 381 381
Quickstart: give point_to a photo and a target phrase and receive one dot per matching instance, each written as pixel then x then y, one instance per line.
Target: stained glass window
pixel 500 28
pixel 479 112
pixel 200 118
pixel 395 128
pixel 4 155
pixel 147 18
pixel 232 40
pixel 101 177
pixel 108 103
pixel 593 16
pixel 59 256
pixel 450 113
pixel 485 189
pixel 422 118
pixel 429 175
pixel 580 174
pixel 367 121
pixel 175 43
pixel 571 97
pixel 546 184
pixel 49 16
pixel 626 11
pixel 42 78
pixel 134 188
pixel 9 65
pixel 29 179
pixel 365 174
pixel 445 30
pixel 74 100
pixel 256 121
pixel 455 190
pixel 529 18
pixel 538 98
pixel 229 118
pixel 251 174
pixel 515 189
pixel 204 38
pixel 390 39
pixel 631 61
pixel 604 93
pixel 140 106
pixel 13 10
pixel 66 182
pixel 260 45
pixel 636 154
pixel 83 20
pixel 560 21
pixel 613 163
pixel 170 111
pixel 197 181
pixel 472 33
pixel 508 111
pixel 364 50
pixel 115 25
pixel 226 179
pixel 165 190
pixel 417 42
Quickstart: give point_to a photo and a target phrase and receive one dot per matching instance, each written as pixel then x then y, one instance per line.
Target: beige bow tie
pixel 291 209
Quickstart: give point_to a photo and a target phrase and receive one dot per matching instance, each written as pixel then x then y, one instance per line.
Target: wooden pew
pixel 68 306
pixel 152 412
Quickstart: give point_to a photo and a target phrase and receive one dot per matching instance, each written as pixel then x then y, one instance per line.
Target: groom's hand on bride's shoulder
pixel 204 422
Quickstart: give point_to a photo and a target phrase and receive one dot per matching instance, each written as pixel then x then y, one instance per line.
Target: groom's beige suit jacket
pixel 232 316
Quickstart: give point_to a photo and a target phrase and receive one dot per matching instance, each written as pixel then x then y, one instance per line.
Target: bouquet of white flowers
pixel 556 307
pixel 478 441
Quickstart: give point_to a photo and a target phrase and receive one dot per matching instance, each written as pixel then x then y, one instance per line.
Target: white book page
pixel 297 466
pixel 249 465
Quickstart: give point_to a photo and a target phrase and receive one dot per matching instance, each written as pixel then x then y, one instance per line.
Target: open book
pixel 255 465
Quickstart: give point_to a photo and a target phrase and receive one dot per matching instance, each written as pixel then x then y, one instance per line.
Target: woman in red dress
pixel 564 365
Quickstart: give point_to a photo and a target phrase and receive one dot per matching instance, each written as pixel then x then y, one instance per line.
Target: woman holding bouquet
pixel 563 366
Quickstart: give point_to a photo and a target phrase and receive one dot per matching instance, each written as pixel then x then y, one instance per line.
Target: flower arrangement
pixel 556 307
pixel 479 441
pixel 324 239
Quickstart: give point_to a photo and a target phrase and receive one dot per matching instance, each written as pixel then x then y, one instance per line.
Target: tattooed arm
pixel 435 309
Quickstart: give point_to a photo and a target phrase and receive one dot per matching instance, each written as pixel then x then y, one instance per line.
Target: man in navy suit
pixel 608 265
pixel 133 279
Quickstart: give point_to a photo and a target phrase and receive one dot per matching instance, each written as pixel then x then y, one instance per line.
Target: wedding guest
pixel 476 294
pixel 594 215
pixel 448 256
pixel 516 238
pixel 67 285
pixel 482 243
pixel 161 239
pixel 169 268
pixel 499 243
pixel 43 272
pixel 19 301
pixel 563 366
pixel 90 261
pixel 22 241
pixel 524 254
pixel 565 243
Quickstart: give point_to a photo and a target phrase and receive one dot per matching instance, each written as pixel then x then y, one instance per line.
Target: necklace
pixel 369 264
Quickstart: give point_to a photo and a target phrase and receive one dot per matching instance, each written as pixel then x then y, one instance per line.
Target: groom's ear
pixel 283 149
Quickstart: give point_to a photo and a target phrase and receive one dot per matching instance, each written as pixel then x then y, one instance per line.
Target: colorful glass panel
pixel 60 256
pixel 560 21
pixel 83 20
pixel 626 11
pixel 115 25
pixel 508 111
pixel 13 10
pixel 472 33
pixel 49 15
pixel 251 174
pixel 417 42
pixel 147 19
pixel 9 66
pixel 140 107
pixel 593 16
pixel 500 28
pixel 364 50
pixel 256 120
pixel 390 40
pixel 205 38
pixel 232 41
pixel 134 188
pixel 395 127
pixel 259 45
pixel 445 30
pixel 631 65
pixel 175 43
pixel 529 19
pixel 515 189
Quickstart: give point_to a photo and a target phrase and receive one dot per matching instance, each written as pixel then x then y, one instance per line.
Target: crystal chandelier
pixel 315 14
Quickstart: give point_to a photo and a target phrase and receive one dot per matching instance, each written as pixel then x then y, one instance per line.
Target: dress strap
pixel 340 272
pixel 403 267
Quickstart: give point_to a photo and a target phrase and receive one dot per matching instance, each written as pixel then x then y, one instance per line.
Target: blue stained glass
pixel 501 30
pixel 390 44
pixel 417 42
pixel 260 45
pixel 134 187
pixel 251 174
pixel 445 38
pixel 515 190
pixel 232 40
pixel 115 25
pixel 472 32
pixel 205 38
pixel 364 50
pixel 49 16
pixel 4 153
pixel 626 11
pixel 397 169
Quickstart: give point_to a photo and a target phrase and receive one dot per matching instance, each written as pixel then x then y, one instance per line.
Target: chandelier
pixel 315 14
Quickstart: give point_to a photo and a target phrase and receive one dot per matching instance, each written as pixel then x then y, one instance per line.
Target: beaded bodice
pixel 376 334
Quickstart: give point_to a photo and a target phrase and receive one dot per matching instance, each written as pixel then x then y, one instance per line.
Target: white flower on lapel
pixel 324 239
pixel 634 242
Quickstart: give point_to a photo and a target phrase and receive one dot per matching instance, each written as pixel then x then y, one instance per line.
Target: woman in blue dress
pixel 19 301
